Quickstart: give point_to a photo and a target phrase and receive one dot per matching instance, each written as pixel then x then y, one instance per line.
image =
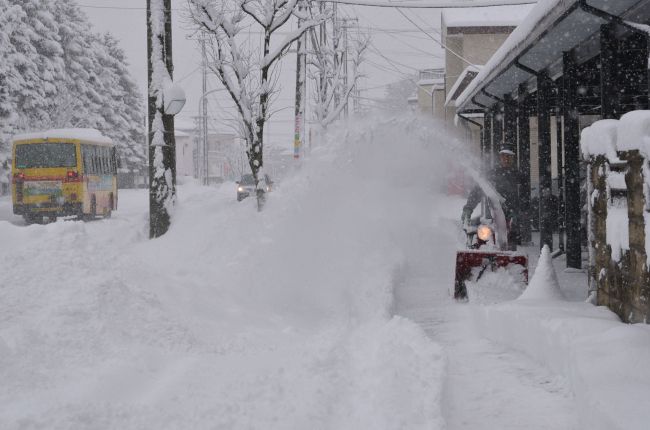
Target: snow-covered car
pixel 246 186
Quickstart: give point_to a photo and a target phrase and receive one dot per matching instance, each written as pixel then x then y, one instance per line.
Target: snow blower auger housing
pixel 487 248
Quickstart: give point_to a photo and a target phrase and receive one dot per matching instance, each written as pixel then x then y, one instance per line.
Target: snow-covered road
pixel 328 310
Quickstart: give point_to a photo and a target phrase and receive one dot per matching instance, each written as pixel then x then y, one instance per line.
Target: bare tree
pixel 327 69
pixel 248 72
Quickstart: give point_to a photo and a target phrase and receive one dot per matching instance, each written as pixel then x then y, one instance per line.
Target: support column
pixel 559 150
pixel 572 162
pixel 510 122
pixel 497 129
pixel 482 137
pixel 523 152
pixel 487 130
pixel 609 94
pixel 633 59
pixel 544 88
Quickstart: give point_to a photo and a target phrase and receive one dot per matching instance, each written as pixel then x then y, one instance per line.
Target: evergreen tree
pixel 57 73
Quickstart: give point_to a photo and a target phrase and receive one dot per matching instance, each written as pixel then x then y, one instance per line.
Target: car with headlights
pixel 246 186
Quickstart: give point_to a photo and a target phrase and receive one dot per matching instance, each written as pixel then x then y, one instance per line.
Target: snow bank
pixel 601 359
pixel 234 318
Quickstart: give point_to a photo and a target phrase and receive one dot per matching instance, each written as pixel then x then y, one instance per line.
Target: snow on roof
pixel 89 134
pixel 432 81
pixel 516 38
pixel 466 76
pixel 496 16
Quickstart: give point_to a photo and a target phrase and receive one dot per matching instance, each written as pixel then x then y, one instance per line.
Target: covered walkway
pixel 570 62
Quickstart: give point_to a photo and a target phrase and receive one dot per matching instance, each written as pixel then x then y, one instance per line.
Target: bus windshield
pixel 45 155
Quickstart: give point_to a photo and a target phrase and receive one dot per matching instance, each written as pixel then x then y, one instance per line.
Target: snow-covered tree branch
pixel 327 69
pixel 248 72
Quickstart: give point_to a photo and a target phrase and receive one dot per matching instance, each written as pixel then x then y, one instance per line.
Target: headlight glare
pixel 484 232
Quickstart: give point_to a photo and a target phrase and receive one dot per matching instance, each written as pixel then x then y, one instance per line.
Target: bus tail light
pixel 72 176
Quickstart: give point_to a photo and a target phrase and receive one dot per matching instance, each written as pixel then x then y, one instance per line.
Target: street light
pixel 173 99
pixel 204 131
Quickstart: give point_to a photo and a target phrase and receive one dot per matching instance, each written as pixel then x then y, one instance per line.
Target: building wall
pixel 425 102
pixel 453 65
pixel 438 103
pixel 184 155
pixel 474 44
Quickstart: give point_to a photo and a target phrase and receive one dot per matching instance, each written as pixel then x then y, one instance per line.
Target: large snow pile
pixel 544 284
pixel 234 318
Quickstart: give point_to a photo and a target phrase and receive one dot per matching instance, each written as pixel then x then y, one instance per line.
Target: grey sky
pixel 392 35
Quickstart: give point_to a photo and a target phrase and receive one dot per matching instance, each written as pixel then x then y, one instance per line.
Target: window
pixel 46 155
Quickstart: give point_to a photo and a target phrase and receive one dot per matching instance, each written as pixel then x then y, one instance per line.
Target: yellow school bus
pixel 67 172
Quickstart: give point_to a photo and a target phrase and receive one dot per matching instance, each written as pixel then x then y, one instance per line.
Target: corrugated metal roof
pixel 552 27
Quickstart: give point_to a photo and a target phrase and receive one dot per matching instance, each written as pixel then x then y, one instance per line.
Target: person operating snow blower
pixel 505 179
pixel 492 240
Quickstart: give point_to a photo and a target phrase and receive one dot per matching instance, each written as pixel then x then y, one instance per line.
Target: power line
pixel 439 42
pixel 119 7
pixel 432 4
pixel 373 47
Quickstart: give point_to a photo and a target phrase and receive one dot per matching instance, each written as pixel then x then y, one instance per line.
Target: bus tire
pixel 32 219
pixel 108 211
pixel 93 209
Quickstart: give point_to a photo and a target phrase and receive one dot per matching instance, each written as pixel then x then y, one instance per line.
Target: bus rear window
pixel 45 155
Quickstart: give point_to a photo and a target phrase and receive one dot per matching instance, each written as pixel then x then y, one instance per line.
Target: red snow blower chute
pixel 487 247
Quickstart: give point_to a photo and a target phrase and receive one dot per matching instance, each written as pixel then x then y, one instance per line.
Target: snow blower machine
pixel 487 246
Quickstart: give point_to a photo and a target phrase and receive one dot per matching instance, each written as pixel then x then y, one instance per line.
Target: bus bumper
pixel 48 209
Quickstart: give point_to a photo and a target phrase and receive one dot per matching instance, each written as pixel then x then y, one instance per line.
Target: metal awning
pixel 553 27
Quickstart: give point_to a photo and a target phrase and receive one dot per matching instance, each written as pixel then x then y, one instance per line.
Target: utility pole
pixel 204 115
pixel 335 50
pixel 345 66
pixel 162 146
pixel 344 59
pixel 322 44
pixel 301 72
